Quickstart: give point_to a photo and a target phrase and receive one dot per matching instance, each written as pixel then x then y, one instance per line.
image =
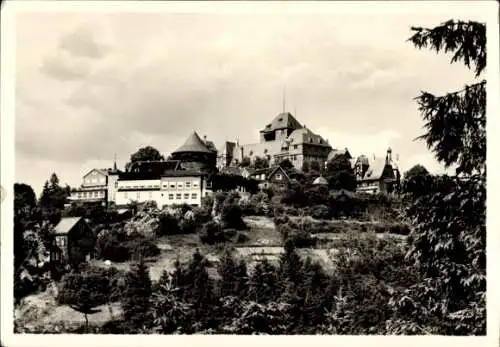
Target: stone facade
pixel 283 138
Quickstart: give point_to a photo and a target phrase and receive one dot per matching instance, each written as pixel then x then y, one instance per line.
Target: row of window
pixel 89 195
pixel 95 180
pixel 178 196
pixel 165 185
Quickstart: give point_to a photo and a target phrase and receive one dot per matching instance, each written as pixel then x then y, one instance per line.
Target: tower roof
pixel 193 144
pixel 283 121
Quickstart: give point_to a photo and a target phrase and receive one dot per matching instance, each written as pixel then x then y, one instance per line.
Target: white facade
pixel 165 191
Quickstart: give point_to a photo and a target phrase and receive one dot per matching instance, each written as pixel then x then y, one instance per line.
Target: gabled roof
pixel 273 170
pixel 66 224
pixel 193 144
pixel 376 169
pixel 101 171
pixel 335 152
pixel 283 121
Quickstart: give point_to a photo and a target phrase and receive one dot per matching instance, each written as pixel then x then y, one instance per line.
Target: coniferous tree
pixel 137 295
pixel 449 231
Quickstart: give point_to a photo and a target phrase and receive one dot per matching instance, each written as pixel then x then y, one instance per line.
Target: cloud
pixel 82 42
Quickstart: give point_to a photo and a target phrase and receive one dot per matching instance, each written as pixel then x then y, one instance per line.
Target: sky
pixel 92 85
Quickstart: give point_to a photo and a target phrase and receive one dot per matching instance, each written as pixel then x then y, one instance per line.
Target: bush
pixel 168 224
pixel 321 212
pixel 211 233
pixel 296 235
pixel 231 215
pixel 142 247
pixel 111 246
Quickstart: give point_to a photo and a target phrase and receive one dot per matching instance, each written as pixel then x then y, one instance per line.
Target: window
pixel 170 196
pixel 194 196
pixel 178 196
pixel 195 184
pixel 179 185
pixel 278 176
pixel 172 185
pixel 116 184
pixel 188 184
pixel 186 195
pixel 295 146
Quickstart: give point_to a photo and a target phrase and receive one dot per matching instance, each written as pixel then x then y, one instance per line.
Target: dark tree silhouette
pixel 448 239
pixel 147 153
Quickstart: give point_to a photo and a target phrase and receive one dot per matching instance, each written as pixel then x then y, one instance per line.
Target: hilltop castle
pixel 184 177
pixel 283 138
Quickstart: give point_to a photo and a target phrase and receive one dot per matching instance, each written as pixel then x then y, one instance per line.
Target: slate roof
pixel 65 225
pixel 334 152
pixel 283 121
pixel 306 136
pixel 375 170
pixel 193 144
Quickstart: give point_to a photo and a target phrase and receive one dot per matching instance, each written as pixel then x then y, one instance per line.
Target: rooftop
pixel 66 224
pixel 283 121
pixel 194 144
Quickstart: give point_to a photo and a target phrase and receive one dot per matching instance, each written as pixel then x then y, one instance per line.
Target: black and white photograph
pixel 248 168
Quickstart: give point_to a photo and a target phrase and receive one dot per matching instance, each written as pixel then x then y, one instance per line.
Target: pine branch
pixel 467 40
pixel 456 127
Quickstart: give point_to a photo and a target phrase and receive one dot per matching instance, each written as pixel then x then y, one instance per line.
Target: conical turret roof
pixel 193 144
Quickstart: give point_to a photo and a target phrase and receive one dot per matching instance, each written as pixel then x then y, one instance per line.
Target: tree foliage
pixel 448 239
pixel 147 153
pixel 340 174
pixel 456 122
pixel 53 199
pixel 137 295
pixel 84 290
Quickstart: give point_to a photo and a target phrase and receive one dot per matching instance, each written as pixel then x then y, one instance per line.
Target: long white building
pixel 171 188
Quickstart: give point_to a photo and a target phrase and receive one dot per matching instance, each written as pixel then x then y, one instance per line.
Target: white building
pixel 170 188
pixel 98 185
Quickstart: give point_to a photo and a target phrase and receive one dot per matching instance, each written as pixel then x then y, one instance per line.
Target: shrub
pixel 142 247
pixel 168 224
pixel 321 212
pixel 231 215
pixel 296 235
pixel 211 233
pixel 111 246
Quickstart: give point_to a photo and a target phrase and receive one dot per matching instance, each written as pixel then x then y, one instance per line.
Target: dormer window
pixel 281 119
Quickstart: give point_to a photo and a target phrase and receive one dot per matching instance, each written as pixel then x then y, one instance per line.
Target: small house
pixel 377 175
pixel 73 241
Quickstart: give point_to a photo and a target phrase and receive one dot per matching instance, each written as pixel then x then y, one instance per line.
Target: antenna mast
pixel 284 99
